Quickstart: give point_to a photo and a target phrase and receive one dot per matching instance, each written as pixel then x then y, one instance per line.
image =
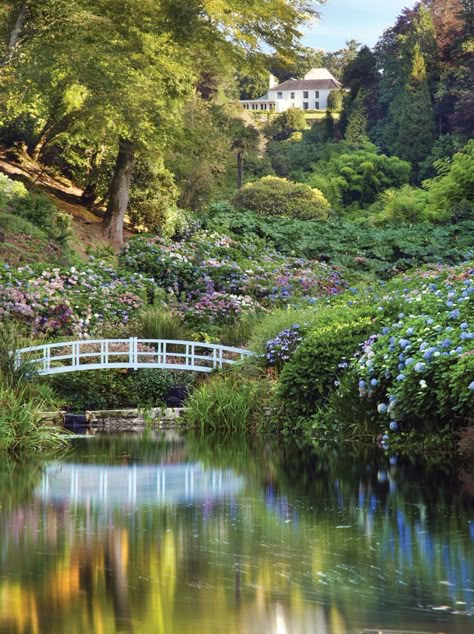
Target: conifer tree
pixel 416 123
pixel 356 129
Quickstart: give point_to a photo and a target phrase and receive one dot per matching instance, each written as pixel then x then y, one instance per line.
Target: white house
pixel 310 93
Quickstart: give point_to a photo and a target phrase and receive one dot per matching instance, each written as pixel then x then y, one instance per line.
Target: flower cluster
pixel 216 308
pixel 210 271
pixel 280 349
pixel 71 301
pixel 424 360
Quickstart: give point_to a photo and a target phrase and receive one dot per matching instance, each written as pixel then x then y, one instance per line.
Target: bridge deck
pixel 132 353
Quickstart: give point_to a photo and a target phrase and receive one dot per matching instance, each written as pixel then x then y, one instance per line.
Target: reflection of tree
pixel 347 532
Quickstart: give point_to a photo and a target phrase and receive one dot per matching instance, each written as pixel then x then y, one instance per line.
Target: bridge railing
pixel 132 353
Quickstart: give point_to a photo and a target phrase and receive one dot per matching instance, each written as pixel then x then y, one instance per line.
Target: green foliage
pixel 309 376
pixel 451 194
pixel 22 430
pixel 415 118
pixel 278 320
pixel 335 100
pixel 357 177
pixel 407 204
pixel 358 246
pixel 227 403
pixel 152 194
pixel 444 148
pixel 356 129
pixel 272 196
pixel 284 124
pixel 37 209
pixel 22 401
pixel 154 322
pixel 112 389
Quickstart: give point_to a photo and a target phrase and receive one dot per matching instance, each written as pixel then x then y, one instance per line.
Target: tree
pixel 356 130
pixel 337 61
pixel 416 129
pixel 135 70
pixel 245 140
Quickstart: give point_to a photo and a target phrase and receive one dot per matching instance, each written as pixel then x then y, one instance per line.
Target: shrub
pixel 226 403
pixel 35 208
pixel 309 376
pixel 451 194
pixel 407 204
pixel 272 196
pixel 280 349
pixel 69 301
pixel 419 370
pixel 381 249
pixel 357 177
pixel 111 389
pixel 286 123
pixel 40 211
pixel 277 321
pixel 153 194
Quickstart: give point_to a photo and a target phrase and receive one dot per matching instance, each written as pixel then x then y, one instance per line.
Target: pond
pixel 170 535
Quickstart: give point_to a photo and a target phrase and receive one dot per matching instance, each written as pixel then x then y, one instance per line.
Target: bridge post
pixel 46 359
pixel 133 352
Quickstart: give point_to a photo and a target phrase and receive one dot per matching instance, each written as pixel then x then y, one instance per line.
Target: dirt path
pixel 87 225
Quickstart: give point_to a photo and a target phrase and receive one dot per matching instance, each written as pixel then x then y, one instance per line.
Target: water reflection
pixel 109 486
pixel 266 540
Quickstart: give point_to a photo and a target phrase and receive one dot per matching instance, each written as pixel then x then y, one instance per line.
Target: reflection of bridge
pixel 132 353
pixel 136 484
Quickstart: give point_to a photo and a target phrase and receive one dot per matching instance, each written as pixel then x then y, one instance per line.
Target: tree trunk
pixel 15 35
pixel 119 193
pixel 17 28
pixel 240 169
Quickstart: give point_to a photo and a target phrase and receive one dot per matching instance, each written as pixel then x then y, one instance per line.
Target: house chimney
pixel 272 82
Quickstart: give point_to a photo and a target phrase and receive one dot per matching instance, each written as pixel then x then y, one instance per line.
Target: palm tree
pixel 246 139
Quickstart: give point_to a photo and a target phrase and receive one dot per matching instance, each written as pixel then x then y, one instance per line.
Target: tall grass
pixel 155 322
pixel 227 403
pixel 22 430
pixel 23 398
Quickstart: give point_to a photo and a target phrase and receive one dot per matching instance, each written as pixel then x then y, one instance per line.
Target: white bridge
pixel 132 353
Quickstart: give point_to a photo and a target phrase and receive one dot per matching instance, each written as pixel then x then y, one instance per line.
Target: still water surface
pixel 207 536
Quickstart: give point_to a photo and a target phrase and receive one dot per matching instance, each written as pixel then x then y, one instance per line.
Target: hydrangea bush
pixel 213 278
pixel 420 367
pixel 70 301
pixel 280 349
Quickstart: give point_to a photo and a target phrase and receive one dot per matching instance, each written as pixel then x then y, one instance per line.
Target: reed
pixel 226 403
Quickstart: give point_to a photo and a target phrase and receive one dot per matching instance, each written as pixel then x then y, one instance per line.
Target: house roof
pixel 308 84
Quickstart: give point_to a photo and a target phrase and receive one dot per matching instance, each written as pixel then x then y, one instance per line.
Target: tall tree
pixel 416 123
pixel 134 65
pixel 356 130
pixel 246 140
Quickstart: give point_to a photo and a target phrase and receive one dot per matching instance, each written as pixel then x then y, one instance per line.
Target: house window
pixel 316 94
pixel 279 95
pixel 292 95
pixel 305 94
pixel 316 105
pixel 305 105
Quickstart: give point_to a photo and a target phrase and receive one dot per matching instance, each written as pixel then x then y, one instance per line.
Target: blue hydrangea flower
pixel 394 425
